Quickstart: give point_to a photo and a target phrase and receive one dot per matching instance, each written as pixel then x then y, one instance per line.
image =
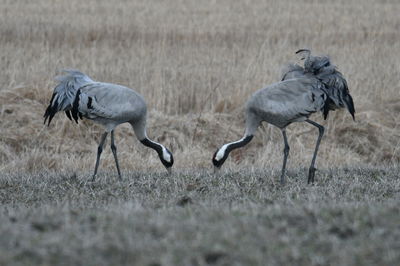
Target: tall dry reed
pixel 195 63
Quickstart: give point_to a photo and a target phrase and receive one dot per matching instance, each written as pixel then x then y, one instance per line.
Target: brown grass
pixel 195 64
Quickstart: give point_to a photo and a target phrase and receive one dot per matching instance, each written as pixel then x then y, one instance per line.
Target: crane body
pixel 106 104
pixel 302 91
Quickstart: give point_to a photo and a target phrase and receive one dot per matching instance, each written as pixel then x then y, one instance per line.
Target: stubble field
pixel 196 63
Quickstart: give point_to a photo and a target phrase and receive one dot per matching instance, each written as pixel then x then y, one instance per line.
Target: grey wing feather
pixel 68 86
pixel 287 101
pixel 291 71
pixel 79 96
pixel 111 101
pixel 90 108
pixel 334 84
pixel 65 92
pixel 337 90
pixel 314 63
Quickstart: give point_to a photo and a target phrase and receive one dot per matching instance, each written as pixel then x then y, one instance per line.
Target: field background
pixel 196 62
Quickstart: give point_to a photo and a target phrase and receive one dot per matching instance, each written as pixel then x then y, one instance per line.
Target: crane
pixel 302 91
pixel 106 104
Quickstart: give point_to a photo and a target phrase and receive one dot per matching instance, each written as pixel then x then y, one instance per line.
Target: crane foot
pixel 311 175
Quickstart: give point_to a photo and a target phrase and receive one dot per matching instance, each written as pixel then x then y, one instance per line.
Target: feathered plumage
pixel 302 91
pixel 320 69
pixel 65 93
pixel 107 104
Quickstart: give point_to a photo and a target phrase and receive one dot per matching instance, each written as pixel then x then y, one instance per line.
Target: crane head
pixel 304 53
pixel 219 158
pixel 166 159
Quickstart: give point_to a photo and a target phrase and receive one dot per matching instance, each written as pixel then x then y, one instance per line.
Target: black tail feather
pixel 327 107
pixel 334 84
pixel 68 113
pixel 75 106
pixel 348 100
pixel 51 110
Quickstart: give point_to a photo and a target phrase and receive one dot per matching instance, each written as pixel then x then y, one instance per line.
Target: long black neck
pixel 230 147
pixel 238 144
pixel 151 144
pixel 160 151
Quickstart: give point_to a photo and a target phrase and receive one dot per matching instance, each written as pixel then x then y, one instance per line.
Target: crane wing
pixel 65 93
pixel 292 71
pixel 337 90
pixel 87 106
pixel 100 100
pixel 320 68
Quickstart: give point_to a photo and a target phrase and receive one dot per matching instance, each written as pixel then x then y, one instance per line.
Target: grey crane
pixel 106 104
pixel 318 86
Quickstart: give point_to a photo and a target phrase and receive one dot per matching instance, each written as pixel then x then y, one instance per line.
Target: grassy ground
pixel 349 217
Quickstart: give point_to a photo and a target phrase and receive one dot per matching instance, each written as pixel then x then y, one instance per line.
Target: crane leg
pixel 311 172
pixel 99 150
pixel 285 156
pixel 114 151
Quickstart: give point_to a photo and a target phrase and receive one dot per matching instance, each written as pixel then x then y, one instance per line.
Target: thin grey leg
pixel 311 172
pixel 285 156
pixel 114 151
pixel 99 150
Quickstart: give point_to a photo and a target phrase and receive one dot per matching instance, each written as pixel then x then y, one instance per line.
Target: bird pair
pixel 303 90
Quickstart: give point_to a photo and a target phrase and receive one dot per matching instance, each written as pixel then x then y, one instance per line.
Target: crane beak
pixel 216 170
pixel 169 170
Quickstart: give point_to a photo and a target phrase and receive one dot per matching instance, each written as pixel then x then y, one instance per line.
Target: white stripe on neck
pixel 221 153
pixel 165 154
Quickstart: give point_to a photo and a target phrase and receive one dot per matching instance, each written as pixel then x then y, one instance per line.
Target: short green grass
pixel 348 217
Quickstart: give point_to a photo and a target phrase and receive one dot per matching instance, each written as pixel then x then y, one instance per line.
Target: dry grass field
pixel 350 217
pixel 196 62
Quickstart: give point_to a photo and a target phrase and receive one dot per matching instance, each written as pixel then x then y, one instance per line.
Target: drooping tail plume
pixel 334 84
pixel 65 93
